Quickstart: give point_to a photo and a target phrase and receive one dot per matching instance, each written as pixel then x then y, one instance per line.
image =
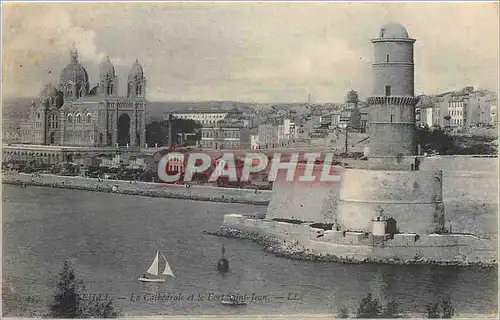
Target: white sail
pixel 153 269
pixel 167 270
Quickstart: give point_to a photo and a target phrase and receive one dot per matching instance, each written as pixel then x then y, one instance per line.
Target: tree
pixel 448 310
pixel 157 131
pixel 369 307
pixel 391 310
pixel 432 310
pixel 355 119
pixel 68 302
pixel 435 141
pixel 67 298
pixel 98 310
pixel 343 313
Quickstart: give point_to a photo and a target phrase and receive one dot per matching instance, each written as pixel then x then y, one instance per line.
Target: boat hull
pixel 150 280
pixel 223 265
pixel 233 303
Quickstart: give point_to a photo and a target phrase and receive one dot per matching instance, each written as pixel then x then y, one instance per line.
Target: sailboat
pixel 154 268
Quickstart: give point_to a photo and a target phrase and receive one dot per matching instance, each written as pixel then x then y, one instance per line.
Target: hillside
pixel 16 110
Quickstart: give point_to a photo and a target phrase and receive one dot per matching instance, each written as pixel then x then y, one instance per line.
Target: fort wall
pixel 305 201
pixel 301 240
pixel 470 195
pixel 412 198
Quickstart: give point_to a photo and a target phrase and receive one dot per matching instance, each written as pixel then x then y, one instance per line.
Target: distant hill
pixel 16 110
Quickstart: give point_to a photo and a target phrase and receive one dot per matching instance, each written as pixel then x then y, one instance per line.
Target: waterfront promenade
pixel 162 190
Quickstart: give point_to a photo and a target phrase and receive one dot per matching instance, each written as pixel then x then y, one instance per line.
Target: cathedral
pixel 74 114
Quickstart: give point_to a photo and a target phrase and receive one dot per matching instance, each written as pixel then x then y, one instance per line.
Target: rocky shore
pixel 197 193
pixel 292 250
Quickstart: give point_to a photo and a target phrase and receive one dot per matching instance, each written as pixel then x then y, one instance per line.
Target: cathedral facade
pixel 74 114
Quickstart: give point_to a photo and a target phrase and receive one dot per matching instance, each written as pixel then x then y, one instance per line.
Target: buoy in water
pixel 223 265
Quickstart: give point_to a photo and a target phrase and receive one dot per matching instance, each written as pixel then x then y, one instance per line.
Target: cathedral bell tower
pixel 108 81
pixel 136 85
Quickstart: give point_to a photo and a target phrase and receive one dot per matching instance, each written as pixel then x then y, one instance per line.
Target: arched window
pixel 70 118
pixel 387 91
pixel 38 115
pixel 89 118
pixel 109 89
pixel 69 90
pixel 78 118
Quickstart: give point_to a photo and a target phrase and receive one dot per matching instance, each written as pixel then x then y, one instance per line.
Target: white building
pixel 426 116
pixel 465 108
pixel 424 112
pixel 205 117
pixel 277 134
pixel 254 141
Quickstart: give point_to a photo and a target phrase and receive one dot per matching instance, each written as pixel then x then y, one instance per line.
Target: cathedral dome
pixel 136 71
pixel 74 71
pixel 393 30
pixel 352 96
pixel 107 69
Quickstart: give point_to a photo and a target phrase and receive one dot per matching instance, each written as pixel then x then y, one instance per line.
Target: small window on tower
pixel 387 91
pixel 387 58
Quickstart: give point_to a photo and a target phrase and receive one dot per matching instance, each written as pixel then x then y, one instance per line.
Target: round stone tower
pixel 389 186
pixel 392 106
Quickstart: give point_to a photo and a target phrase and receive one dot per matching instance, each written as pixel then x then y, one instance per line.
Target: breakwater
pixel 285 247
pixel 308 241
pixel 149 189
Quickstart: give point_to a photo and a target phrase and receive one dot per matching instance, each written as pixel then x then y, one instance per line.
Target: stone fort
pixel 390 205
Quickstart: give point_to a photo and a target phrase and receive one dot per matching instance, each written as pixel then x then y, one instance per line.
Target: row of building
pixel 321 124
pixel 458 110
pixel 286 126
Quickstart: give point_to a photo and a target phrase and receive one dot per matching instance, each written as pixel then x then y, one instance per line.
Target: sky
pixel 254 52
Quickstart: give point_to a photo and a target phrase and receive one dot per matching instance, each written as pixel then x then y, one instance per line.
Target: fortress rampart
pixel 305 201
pixel 302 240
pixel 413 198
pixel 458 194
